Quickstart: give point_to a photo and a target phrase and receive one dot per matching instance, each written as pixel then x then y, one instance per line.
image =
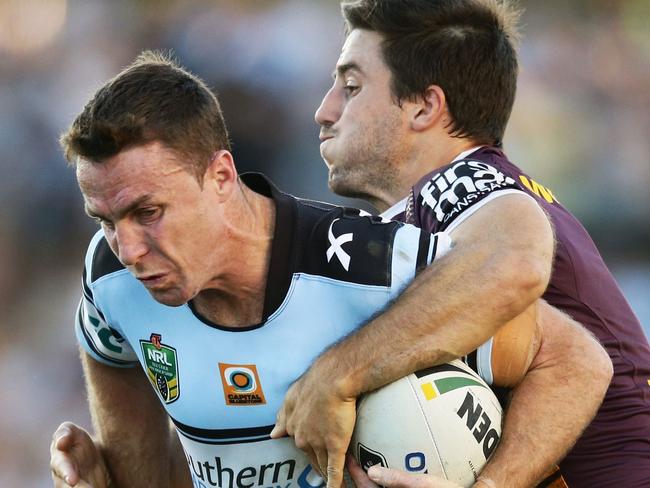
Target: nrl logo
pixel 162 367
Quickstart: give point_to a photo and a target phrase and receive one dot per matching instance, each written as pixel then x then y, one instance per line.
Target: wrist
pixel 337 373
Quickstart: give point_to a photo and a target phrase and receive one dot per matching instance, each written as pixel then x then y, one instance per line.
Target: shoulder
pixel 443 195
pixel 346 244
pixel 353 246
pixel 101 339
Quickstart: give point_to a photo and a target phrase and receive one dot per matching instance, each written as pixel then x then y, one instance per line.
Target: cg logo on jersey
pixel 241 384
pixel 239 378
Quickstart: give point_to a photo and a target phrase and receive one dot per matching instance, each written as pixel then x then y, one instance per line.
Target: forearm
pixel 495 270
pixel 132 429
pixel 177 469
pixel 549 409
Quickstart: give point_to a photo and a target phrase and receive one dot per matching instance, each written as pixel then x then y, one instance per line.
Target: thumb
pixel 63 438
pixel 279 430
pixel 394 478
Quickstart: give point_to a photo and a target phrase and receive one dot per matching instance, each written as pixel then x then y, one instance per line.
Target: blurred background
pixel 581 126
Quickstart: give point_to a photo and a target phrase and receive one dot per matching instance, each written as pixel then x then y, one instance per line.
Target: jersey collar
pixel 282 250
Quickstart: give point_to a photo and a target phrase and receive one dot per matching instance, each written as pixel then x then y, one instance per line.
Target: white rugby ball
pixel 443 420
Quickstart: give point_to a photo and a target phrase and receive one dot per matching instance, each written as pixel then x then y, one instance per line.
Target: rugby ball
pixel 443 420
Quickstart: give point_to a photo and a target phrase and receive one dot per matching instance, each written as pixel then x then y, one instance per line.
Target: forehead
pixel 148 169
pixel 363 49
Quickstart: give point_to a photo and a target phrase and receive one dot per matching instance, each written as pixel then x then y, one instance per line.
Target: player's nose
pixel 130 244
pixel 329 111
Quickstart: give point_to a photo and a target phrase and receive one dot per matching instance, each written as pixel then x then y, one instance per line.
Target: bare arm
pixel 500 263
pixel 560 374
pixel 134 444
pixel 562 389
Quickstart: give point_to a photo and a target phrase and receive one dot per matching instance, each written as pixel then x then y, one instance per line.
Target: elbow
pixel 594 364
pixel 602 369
pixel 525 282
pixel 534 275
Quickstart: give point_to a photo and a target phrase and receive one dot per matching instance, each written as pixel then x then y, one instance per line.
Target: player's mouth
pixel 152 280
pixel 325 137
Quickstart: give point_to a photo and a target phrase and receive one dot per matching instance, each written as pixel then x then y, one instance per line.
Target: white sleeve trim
pixel 439 245
pixel 492 196
pixel 404 258
pixel 484 361
pixel 396 209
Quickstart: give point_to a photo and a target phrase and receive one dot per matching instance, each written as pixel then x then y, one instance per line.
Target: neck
pixel 235 297
pixel 426 156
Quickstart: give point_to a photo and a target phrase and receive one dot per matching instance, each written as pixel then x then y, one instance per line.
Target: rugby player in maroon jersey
pixel 414 121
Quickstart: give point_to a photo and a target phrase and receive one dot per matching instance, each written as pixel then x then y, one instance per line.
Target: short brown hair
pixel 467 47
pixel 153 99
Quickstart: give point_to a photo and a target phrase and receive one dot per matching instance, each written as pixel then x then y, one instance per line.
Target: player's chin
pixel 343 183
pixel 172 297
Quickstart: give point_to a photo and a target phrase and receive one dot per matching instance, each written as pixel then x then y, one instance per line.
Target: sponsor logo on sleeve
pixel 161 365
pixel 538 190
pixel 109 343
pixel 458 187
pixel 241 384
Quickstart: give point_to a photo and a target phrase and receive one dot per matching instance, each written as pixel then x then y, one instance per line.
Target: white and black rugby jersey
pixel 331 271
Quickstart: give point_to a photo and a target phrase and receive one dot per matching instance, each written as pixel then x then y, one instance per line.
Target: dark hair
pixel 466 47
pixel 153 99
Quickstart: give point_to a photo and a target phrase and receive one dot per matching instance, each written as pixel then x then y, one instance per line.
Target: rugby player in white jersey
pixel 195 266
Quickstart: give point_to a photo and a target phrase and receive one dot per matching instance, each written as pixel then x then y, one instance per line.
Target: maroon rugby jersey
pixel 614 451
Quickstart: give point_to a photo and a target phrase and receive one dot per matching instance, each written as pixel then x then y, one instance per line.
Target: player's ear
pixel 221 174
pixel 429 109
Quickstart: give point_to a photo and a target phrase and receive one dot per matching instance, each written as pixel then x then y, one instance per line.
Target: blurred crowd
pixel 581 126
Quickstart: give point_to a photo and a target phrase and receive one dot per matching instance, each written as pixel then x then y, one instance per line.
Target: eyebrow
pixel 344 68
pixel 122 212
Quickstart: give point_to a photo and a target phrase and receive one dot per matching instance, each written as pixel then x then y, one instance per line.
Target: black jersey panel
pixel 104 261
pixel 348 247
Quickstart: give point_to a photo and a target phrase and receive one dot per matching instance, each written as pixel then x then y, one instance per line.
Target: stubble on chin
pixel 344 182
pixel 168 297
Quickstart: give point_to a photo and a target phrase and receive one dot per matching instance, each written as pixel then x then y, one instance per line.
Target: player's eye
pixel 148 215
pixel 351 88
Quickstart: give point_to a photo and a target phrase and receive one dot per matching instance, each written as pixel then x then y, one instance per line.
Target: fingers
pixel 393 478
pixel 321 459
pixel 313 459
pixel 64 437
pixel 61 463
pixel 357 473
pixel 335 463
pixel 280 429
pixel 64 468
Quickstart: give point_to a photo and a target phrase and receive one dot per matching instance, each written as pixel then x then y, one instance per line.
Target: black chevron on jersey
pixel 104 261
